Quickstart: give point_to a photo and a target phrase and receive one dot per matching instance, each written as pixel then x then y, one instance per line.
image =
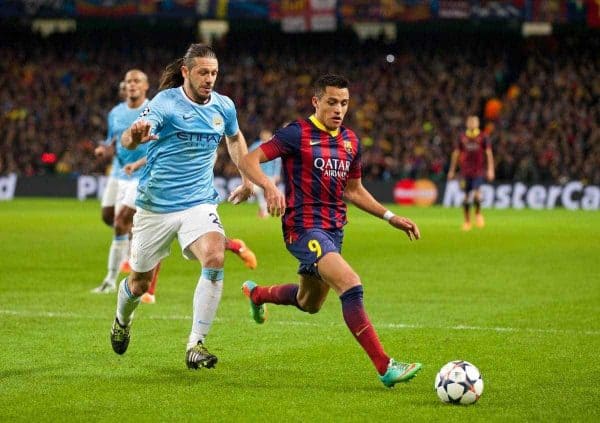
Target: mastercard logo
pixel 420 192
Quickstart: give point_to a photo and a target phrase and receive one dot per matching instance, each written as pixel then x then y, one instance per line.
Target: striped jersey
pixel 317 164
pixel 271 168
pixel 472 148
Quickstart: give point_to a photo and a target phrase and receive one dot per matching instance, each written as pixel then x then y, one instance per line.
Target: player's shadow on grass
pixel 30 371
pixel 236 380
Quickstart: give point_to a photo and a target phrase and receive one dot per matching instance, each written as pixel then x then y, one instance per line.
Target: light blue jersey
pixel 119 119
pixel 179 171
pixel 271 168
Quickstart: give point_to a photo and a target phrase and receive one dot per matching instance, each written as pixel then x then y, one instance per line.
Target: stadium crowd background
pixel 409 98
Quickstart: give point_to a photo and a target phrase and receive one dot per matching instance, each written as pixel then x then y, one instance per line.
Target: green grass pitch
pixel 520 299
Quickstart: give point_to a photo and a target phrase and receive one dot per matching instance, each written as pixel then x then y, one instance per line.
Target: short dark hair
pixel 329 80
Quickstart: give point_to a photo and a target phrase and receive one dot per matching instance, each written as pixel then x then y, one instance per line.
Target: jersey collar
pixel 472 133
pixel 322 127
pixel 210 100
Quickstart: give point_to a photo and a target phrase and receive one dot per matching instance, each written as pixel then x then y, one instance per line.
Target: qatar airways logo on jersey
pixel 335 168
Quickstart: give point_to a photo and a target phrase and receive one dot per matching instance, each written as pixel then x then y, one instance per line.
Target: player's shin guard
pixel 206 301
pixel 359 324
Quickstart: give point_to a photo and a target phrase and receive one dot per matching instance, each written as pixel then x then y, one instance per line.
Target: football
pixel 459 382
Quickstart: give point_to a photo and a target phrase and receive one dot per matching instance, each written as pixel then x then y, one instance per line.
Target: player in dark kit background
pixel 321 164
pixel 473 152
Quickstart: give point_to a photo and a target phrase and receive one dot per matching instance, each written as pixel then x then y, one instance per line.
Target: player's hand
pixel 140 132
pixel 275 201
pixel 129 168
pixel 241 193
pixel 408 226
pixel 450 175
pixel 101 151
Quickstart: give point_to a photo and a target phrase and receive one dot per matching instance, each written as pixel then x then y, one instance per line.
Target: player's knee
pixel 214 259
pixel 139 283
pixel 121 228
pixel 108 216
pixel 124 221
pixel 313 309
pixel 310 307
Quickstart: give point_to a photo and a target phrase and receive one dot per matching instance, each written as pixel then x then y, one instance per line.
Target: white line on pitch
pixel 63 315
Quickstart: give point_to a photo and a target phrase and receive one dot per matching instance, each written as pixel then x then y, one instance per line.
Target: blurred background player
pixel 322 164
pixel 105 151
pixel 183 126
pixel 119 119
pixel 271 168
pixel 473 153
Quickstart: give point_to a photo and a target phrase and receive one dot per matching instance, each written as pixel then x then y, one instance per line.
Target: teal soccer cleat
pixel 399 372
pixel 258 312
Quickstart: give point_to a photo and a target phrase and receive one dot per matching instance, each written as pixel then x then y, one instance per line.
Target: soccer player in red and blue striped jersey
pixel 321 166
pixel 473 152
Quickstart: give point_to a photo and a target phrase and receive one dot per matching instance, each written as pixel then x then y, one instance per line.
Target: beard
pixel 199 98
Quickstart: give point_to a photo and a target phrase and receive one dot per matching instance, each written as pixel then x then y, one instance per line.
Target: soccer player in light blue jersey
pixel 183 126
pixel 119 119
pixel 105 151
pixel 271 168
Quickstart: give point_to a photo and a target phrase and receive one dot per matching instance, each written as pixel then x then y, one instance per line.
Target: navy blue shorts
pixel 472 184
pixel 312 245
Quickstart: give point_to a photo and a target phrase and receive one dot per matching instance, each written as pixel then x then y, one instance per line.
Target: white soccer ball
pixel 459 382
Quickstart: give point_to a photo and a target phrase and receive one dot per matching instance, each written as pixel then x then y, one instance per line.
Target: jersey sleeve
pixel 487 143
pixel 110 128
pixel 356 165
pixel 155 111
pixel 231 121
pixel 285 142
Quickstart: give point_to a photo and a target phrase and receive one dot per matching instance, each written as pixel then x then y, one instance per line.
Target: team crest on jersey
pixel 145 112
pixel 348 146
pixel 217 120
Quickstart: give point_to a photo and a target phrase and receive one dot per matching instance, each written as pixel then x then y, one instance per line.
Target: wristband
pixel 388 215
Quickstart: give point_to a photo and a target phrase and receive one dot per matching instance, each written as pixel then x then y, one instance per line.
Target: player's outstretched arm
pixel 237 148
pixel 453 162
pixel 129 168
pixel 358 195
pixel 490 174
pixel 250 165
pixel 103 151
pixel 136 134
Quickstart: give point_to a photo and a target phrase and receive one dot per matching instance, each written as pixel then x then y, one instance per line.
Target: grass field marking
pixel 61 315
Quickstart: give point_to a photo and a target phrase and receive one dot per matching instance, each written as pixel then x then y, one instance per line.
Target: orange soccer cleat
pixel 125 268
pixel 466 226
pixel 479 221
pixel 239 247
pixel 148 298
